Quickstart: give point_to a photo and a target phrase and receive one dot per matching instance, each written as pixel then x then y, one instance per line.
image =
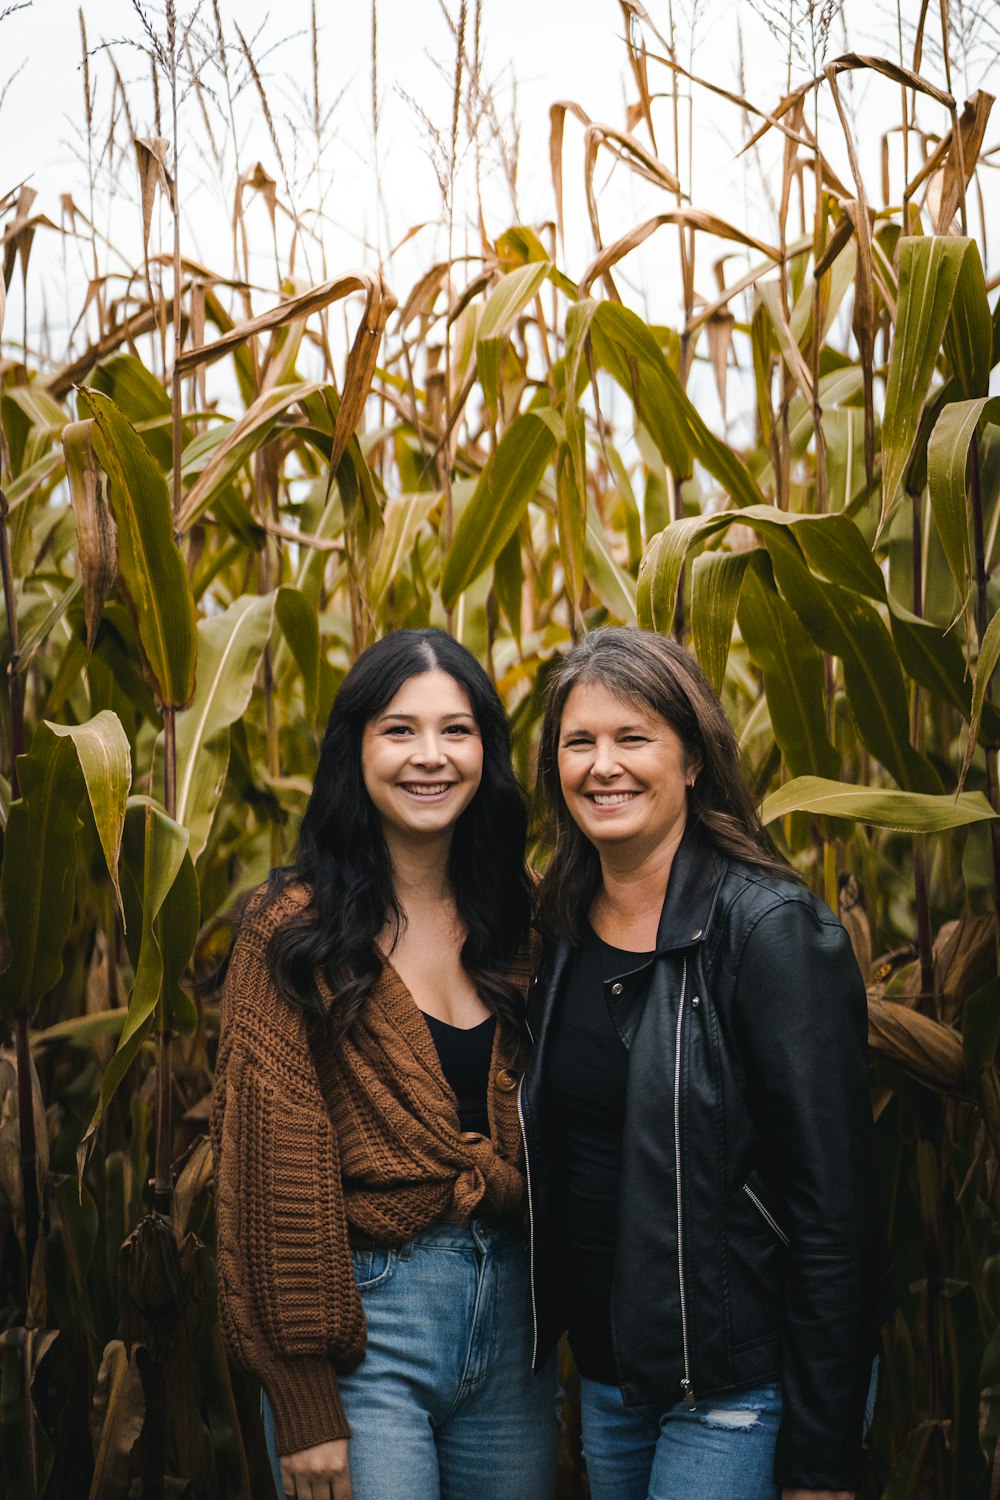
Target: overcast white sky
pixel 536 51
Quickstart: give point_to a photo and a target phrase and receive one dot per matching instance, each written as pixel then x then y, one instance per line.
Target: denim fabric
pixel 444 1405
pixel 723 1447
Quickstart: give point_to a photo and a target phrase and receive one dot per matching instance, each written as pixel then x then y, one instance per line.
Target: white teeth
pixel 612 799
pixel 417 790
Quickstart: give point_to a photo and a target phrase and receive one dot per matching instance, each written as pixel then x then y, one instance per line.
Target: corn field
pixel 217 493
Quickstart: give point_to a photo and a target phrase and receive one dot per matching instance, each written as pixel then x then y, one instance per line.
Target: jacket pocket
pixel 765 1214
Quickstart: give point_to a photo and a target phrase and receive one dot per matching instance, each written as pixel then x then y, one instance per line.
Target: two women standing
pixel 694 1114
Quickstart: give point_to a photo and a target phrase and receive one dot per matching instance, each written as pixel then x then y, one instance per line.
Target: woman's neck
pixel 420 871
pixel 626 910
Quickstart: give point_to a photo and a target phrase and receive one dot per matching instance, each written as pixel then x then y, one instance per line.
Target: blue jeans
pixel 723 1447
pixel 444 1405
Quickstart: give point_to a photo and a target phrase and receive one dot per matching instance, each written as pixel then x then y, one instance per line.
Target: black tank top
pixel 465 1056
pixel 585 1081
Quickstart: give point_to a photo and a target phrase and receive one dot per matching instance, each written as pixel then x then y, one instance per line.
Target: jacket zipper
pixel 765 1215
pixel 531 1224
pixel 687 1389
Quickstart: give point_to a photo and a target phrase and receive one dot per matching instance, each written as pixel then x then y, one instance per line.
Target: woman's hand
pixel 320 1473
pixel 818 1494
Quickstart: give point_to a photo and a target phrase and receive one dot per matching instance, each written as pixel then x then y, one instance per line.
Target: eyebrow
pixel 412 718
pixel 619 729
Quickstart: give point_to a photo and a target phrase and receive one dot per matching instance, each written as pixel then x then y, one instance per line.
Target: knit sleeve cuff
pixel 306 1404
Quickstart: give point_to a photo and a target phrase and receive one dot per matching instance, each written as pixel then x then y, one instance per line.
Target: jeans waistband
pixel 446 1235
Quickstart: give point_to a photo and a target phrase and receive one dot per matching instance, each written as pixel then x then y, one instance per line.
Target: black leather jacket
pixel 748 1246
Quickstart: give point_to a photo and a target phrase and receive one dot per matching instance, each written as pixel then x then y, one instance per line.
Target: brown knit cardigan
pixel 311 1141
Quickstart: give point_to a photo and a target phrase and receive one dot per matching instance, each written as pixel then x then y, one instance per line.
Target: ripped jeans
pixel 722 1450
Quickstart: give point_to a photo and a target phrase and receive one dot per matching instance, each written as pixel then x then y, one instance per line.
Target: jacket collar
pixel 695 878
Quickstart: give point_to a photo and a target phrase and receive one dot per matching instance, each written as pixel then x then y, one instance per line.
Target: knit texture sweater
pixel 310 1140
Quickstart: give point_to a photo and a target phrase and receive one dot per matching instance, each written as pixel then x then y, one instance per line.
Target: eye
pixel 634 739
pixel 459 729
pixel 576 742
pixel 398 730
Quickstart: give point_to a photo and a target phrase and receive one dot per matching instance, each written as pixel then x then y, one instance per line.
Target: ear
pixel 692 769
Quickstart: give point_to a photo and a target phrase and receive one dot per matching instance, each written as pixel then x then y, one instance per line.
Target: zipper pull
pixel 688 1392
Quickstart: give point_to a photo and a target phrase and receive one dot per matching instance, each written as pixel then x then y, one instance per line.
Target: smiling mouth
pixel 427 789
pixel 610 799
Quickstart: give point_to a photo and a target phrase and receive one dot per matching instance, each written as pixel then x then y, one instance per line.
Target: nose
pixel 605 761
pixel 428 750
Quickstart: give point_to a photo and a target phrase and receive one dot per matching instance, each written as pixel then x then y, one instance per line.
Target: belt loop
pixel 405 1250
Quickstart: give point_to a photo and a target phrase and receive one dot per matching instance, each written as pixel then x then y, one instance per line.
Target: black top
pixel 465 1056
pixel 585 1080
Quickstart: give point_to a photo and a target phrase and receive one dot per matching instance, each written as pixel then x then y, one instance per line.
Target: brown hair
pixel 641 667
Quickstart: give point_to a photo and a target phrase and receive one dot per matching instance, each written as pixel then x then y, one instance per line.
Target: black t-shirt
pixel 585 1082
pixel 465 1056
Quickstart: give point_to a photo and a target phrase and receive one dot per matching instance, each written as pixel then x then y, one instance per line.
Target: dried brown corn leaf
pixel 924 1049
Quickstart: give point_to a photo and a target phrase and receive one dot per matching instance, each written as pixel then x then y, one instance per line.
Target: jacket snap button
pixel 470 1137
pixel 616 989
pixel 506 1081
pixel 695 1001
pixel 696 935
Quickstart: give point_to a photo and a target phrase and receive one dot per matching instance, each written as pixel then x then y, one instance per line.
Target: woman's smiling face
pixel 623 771
pixel 422 756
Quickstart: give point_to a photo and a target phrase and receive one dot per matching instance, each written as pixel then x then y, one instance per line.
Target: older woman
pixel 695 1110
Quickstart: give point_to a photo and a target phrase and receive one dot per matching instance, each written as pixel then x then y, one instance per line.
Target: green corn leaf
pixel 404 516
pixel 503 493
pixel 141 399
pixel 508 298
pixel 845 624
pixel 508 584
pixel 947 459
pixel 928 272
pixel 989 655
pixel 149 561
pixel 968 335
pixel 238 441
pixel 716 581
pixel 65 763
pixel 833 545
pixel 793 678
pixel 625 346
pixel 612 585
pixel 906 812
pixel 571 501
pixel 156 857
pixel 663 564
pixel 230 646
pixel 934 658
pixel 299 625
pixel 105 761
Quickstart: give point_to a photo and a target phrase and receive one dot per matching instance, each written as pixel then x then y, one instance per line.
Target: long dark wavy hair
pixel 641 667
pixel 343 861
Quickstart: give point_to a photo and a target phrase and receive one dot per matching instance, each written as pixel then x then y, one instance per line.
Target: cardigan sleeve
pixel 289 1304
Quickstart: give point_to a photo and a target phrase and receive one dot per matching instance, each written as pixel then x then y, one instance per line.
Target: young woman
pixel 370 1198
pixel 696 1111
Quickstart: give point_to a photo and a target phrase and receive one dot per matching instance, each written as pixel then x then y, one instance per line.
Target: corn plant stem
pixel 25 1103
pixel 981 581
pixel 925 935
pixel 14 676
pixel 28 1150
pixel 162 1180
